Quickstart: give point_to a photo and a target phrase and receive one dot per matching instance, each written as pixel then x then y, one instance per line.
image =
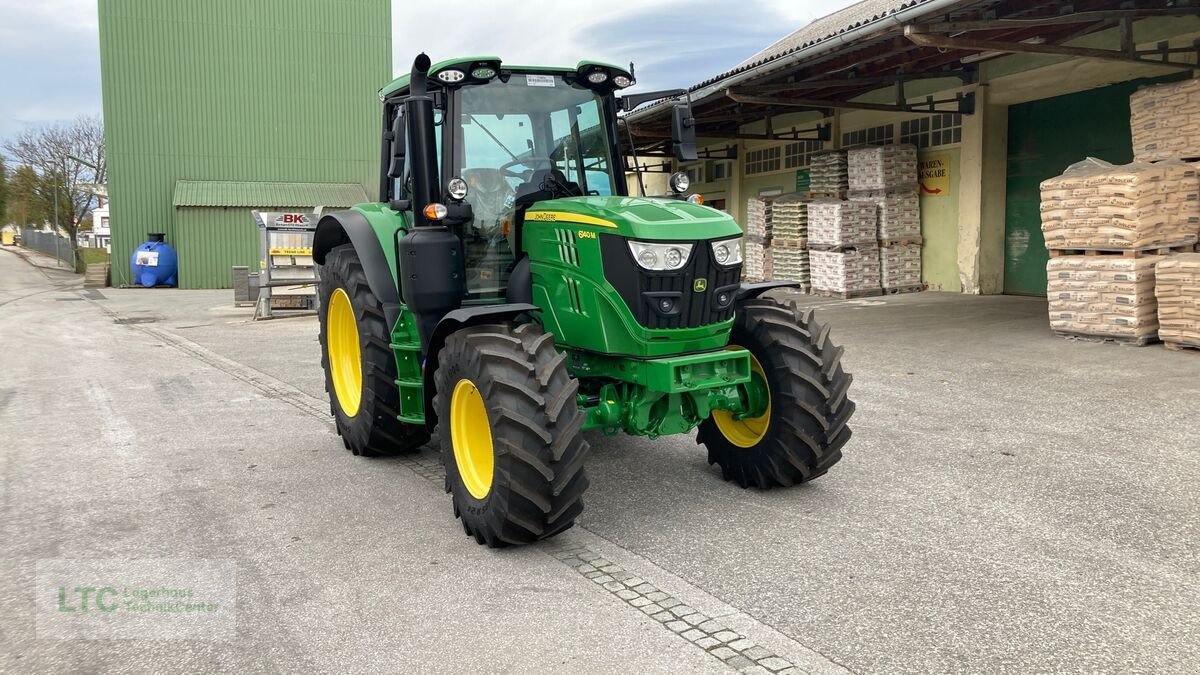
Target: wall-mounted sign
pixel 934 175
pixel 803 180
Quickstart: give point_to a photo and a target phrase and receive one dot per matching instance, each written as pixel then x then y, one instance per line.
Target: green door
pixel 1044 138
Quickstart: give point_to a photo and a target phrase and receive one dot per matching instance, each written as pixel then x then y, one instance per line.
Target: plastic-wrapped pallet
pixel 756 265
pixel 835 223
pixel 1103 295
pixel 883 167
pixel 790 263
pixel 851 271
pixel 1165 120
pixel 1096 205
pixel 827 172
pixel 900 266
pixel 1177 288
pixel 899 213
pixel 789 220
pixel 756 218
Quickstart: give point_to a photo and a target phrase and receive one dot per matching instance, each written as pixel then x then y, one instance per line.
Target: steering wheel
pixel 531 162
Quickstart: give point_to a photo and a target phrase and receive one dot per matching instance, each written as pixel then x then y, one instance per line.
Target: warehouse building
pixel 217 108
pixel 997 95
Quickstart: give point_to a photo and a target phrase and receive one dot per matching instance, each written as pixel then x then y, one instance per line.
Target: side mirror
pixel 683 132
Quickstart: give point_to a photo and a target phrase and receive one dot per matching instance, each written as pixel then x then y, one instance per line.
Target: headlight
pixel 660 257
pixel 621 81
pixel 451 76
pixel 457 188
pixel 680 182
pixel 727 251
pixel 597 77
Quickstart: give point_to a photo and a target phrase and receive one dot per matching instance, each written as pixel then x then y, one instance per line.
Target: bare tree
pixel 55 151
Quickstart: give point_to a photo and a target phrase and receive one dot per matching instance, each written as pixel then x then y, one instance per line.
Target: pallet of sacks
pixel 827 173
pixel 790 263
pixel 833 223
pixel 1097 205
pixel 892 168
pixel 1165 121
pixel 789 219
pixel 845 273
pixel 1103 296
pixel 900 266
pixel 756 224
pixel 1177 289
pixel 756 259
pixel 899 213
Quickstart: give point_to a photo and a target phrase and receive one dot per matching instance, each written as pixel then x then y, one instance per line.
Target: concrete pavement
pixel 1010 502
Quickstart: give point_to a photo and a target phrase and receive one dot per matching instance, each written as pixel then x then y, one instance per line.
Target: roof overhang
pixel 912 41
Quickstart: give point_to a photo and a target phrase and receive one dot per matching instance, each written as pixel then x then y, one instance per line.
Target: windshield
pixel 532 136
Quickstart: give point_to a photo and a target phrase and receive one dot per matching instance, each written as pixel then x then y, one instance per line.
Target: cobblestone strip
pixel 427 464
pixel 709 634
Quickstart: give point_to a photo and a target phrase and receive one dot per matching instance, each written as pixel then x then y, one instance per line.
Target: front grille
pixel 643 290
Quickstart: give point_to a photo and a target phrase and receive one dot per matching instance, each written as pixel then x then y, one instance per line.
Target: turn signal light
pixel 435 211
pixel 696 199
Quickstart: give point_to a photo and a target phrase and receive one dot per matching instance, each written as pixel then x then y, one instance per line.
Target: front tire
pixel 801 434
pixel 511 433
pixel 360 369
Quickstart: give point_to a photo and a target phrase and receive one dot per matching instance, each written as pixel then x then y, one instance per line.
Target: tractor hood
pixel 639 217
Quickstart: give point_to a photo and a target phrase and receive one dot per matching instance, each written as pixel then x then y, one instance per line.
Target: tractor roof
pixel 400 84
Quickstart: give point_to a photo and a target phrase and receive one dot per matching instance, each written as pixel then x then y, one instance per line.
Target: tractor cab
pixel 506 138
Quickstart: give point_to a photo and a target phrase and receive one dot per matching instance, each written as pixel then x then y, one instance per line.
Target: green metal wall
pixel 252 90
pixel 208 266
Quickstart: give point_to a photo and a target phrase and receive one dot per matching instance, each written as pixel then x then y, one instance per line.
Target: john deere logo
pixel 700 285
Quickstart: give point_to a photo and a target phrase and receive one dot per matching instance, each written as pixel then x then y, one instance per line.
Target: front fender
pixel 342 227
pixel 457 320
pixel 749 291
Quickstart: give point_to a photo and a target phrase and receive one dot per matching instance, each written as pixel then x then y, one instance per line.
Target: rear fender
pixel 352 227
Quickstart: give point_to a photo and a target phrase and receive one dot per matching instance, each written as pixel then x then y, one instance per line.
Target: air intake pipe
pixel 432 276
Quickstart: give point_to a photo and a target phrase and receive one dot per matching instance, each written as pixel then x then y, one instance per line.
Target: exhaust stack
pixel 431 256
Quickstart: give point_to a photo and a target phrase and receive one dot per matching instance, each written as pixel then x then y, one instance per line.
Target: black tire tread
pixel 810 404
pixel 375 431
pixel 537 432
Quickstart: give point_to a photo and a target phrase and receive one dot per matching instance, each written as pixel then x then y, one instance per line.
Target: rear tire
pixel 806 424
pixel 518 434
pixel 368 426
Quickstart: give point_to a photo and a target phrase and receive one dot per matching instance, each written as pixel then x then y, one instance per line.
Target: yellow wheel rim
pixel 471 436
pixel 345 354
pixel 747 432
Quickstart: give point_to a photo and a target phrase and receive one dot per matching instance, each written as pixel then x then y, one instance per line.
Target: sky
pixel 50 61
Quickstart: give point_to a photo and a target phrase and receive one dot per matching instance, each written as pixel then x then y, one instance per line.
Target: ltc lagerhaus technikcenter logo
pixel 159 599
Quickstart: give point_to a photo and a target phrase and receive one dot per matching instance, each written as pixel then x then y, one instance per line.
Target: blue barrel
pixel 155 263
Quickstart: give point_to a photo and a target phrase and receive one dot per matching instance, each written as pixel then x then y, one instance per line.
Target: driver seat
pixel 532 191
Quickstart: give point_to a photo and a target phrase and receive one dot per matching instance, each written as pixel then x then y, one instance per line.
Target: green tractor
pixel 508 294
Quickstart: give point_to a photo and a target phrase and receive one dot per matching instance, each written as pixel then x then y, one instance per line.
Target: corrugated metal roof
pixel 850 18
pixel 254 193
pixel 861 16
pixel 859 13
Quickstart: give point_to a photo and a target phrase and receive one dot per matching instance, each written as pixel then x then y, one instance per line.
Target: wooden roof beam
pixel 1077 17
pixel 967 75
pixel 966 103
pixel 921 38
